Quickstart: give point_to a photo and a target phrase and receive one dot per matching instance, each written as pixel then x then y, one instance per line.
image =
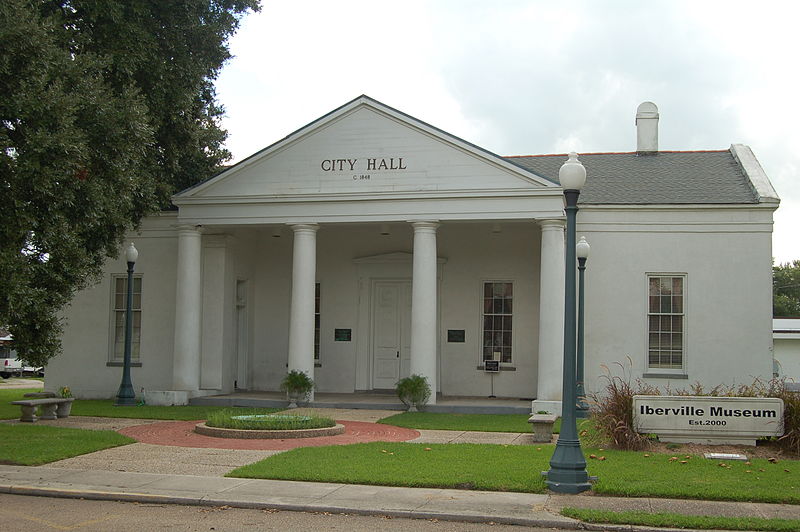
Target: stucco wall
pixel 726 257
pixel 87 327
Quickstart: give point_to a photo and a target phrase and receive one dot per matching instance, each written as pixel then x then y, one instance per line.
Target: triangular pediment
pixel 365 148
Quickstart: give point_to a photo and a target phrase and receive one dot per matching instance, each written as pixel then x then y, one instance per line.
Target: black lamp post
pixel 582 407
pixel 126 395
pixel 567 472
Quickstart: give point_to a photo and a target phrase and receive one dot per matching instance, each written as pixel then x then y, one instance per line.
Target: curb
pixel 563 523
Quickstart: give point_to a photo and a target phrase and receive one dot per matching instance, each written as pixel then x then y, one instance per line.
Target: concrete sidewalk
pixel 540 510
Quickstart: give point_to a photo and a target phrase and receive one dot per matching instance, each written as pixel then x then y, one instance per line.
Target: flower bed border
pixel 250 434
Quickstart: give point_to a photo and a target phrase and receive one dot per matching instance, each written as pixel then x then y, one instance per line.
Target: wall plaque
pixel 342 335
pixel 455 335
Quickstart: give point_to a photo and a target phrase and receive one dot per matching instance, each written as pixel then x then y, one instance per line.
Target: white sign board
pixel 738 420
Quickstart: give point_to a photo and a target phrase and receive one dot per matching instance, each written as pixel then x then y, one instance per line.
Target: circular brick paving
pixel 181 434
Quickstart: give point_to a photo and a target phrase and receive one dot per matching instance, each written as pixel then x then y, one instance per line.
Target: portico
pixel 400 290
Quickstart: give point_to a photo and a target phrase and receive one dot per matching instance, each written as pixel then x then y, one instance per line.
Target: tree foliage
pixel 786 289
pixel 107 107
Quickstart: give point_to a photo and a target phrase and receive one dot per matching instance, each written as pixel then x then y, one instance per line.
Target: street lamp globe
pixel 582 248
pixel 572 174
pixel 131 254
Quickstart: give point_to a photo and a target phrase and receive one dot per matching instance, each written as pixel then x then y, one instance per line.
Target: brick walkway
pixel 181 434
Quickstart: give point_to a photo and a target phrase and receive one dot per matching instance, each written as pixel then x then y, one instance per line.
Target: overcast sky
pixel 530 77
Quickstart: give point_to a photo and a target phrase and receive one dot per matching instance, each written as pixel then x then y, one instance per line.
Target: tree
pixel 786 289
pixel 107 108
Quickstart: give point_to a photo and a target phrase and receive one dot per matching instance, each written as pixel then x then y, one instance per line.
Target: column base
pixel 551 407
pixel 174 397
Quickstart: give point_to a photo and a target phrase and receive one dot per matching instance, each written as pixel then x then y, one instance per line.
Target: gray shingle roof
pixel 666 178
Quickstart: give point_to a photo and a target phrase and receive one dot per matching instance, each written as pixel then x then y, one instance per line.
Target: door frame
pixel 395 266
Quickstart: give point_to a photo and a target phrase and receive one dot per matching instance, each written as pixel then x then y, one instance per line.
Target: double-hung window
pixel 120 293
pixel 498 298
pixel 666 322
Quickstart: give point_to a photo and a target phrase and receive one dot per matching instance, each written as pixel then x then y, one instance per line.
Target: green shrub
pixel 249 419
pixel 413 391
pixel 297 383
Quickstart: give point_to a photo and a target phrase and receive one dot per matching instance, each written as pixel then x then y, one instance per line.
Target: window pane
pixel 507 339
pixel 666 286
pixel 677 303
pixel 666 323
pixel 677 285
pixel 487 306
pixel 654 301
pixel 654 286
pixel 497 306
pixel 677 323
pixel 488 290
pixel 137 285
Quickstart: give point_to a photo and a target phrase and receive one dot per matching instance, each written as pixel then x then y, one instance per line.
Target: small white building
pixel 786 342
pixel 369 245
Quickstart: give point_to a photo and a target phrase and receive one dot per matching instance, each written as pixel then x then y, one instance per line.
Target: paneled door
pixel 391 332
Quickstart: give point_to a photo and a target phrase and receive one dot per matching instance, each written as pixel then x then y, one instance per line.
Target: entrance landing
pixel 370 401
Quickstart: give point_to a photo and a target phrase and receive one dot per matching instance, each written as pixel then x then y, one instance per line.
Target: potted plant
pixel 413 391
pixel 64 409
pixel 297 386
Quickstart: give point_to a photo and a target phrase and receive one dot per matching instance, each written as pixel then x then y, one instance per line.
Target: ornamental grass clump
pixel 254 419
pixel 612 410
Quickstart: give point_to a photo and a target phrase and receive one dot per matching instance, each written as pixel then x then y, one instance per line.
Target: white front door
pixel 391 332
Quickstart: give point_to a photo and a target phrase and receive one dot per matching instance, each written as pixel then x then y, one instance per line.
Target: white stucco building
pixel 369 245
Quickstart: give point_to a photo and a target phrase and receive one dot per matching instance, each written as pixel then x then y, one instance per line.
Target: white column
pixel 551 317
pixel 423 304
pixel 188 311
pixel 301 317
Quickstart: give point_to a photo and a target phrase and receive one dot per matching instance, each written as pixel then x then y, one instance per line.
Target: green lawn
pixel 7 410
pixel 29 444
pixel 471 422
pixel 517 468
pixel 672 520
pixel 106 408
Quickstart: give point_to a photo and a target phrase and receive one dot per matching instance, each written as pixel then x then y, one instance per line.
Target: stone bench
pixel 39 395
pixel 52 408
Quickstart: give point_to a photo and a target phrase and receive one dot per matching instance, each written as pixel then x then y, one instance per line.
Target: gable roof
pixel 691 177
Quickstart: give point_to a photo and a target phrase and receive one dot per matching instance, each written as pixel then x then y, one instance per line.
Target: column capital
pixel 189 229
pixel 304 228
pixel 552 224
pixel 425 226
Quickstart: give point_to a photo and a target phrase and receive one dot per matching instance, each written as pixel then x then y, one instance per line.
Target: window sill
pixel 120 364
pixel 665 376
pixel 502 368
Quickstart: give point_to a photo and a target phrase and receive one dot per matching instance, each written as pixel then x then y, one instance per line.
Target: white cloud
pixel 520 77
